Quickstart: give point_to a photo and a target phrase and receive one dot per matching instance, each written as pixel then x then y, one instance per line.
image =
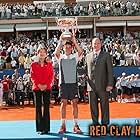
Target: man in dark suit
pixel 100 81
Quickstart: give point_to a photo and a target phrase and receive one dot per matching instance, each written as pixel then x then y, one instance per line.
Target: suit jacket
pixel 41 75
pixel 100 75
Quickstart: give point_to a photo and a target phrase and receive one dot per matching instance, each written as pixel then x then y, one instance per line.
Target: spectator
pixel 137 86
pixel 26 76
pixel 16 74
pixel 6 85
pixel 2 63
pixel 123 83
pixel 129 7
pixel 13 63
pixel 55 89
pixel 14 53
pixel 3 52
pixel 128 57
pixel 138 58
pixel 1 94
pixel 35 57
pixel 133 84
pixel 119 89
pixel 19 91
pixel 8 60
pixel 27 62
pixel 13 86
pixel 21 60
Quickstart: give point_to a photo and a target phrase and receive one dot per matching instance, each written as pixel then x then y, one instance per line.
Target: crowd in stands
pixel 125 51
pixel 14 54
pixel 17 88
pixel 30 10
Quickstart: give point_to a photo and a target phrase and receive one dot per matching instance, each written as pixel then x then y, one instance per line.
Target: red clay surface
pixel 117 110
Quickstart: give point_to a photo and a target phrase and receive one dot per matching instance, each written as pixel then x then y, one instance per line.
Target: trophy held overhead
pixel 65 25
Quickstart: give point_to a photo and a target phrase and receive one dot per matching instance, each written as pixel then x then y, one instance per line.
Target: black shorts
pixel 119 91
pixel 69 91
pixel 137 90
pixel 129 91
pixel 133 89
pixel 124 90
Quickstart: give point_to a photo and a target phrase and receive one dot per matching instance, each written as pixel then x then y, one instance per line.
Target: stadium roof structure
pixel 6 28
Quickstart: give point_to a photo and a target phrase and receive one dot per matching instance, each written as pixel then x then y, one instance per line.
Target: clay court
pixel 117 110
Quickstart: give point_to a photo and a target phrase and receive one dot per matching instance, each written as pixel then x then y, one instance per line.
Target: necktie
pixel 95 58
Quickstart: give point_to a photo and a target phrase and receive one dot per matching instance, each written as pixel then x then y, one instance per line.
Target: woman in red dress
pixel 42 77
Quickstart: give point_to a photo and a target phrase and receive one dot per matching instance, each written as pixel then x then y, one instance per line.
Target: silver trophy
pixel 65 24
